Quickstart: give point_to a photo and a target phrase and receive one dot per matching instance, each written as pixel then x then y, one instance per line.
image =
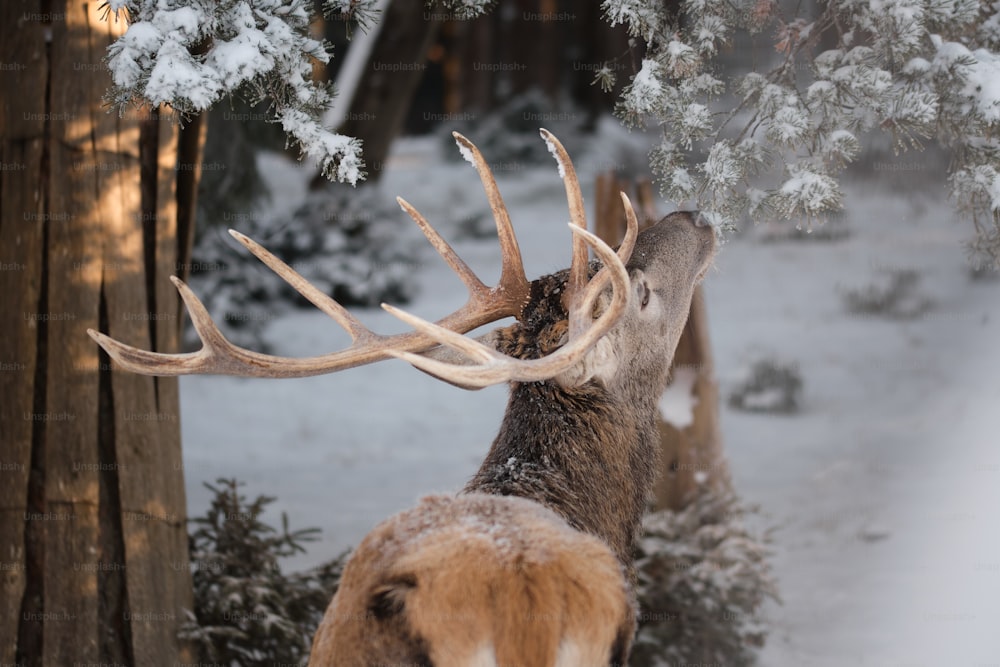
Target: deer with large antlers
pixel 531 563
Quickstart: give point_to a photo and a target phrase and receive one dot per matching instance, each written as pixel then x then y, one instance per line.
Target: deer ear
pixel 602 361
pixel 389 600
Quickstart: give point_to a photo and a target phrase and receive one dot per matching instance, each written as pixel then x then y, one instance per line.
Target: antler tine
pixel 513 281
pixel 317 298
pixel 631 230
pixel 495 367
pixel 155 363
pixel 476 286
pixel 583 307
pixel 578 216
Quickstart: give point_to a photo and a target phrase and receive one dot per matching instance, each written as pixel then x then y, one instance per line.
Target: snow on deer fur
pixel 478 580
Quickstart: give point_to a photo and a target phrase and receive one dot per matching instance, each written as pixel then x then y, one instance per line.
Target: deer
pixel 531 562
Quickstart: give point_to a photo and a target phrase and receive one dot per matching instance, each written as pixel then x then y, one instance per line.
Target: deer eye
pixel 644 293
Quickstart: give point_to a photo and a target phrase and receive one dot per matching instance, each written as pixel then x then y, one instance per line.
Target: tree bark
pixel 533 47
pixel 94 567
pixel 692 456
pixel 468 89
pixel 597 44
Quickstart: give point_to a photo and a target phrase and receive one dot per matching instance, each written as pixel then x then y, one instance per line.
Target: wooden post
pixel 692 455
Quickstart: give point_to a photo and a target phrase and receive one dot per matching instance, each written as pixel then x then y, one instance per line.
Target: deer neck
pixel 580 452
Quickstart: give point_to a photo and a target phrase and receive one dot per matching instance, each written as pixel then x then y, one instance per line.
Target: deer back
pixel 477 581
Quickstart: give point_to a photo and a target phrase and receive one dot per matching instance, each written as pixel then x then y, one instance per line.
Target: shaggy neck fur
pixel 587 452
pixel 579 452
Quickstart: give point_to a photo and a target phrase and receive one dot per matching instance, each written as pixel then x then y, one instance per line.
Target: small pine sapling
pixel 704 577
pixel 247 611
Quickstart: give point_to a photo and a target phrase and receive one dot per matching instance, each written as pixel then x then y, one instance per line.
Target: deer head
pixel 586 359
pixel 585 443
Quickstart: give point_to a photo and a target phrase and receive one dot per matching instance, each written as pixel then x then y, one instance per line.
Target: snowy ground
pixel 884 490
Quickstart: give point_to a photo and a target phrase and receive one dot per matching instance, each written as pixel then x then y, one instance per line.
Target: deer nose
pixel 700 220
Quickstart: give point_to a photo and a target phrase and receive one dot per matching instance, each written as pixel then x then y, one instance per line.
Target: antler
pixel 494 367
pixel 485 304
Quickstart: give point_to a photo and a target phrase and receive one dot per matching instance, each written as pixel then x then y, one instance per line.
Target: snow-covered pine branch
pixel 774 142
pixel 191 54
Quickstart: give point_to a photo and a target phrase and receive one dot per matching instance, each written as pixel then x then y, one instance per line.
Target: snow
pixel 645 92
pixel 983 84
pixel 709 30
pixel 916 67
pixel 696 120
pixel 240 59
pixel 552 149
pixel 681 58
pixel 789 125
pixel 328 148
pixel 721 168
pixel 821 91
pixel 467 9
pixel 176 75
pixel 680 179
pixel 641 17
pixel 267 44
pixel 812 192
pixel 883 490
pixel 771 398
pixel 678 401
pixel 982 75
pixel 899 22
pixel 841 144
pixel 993 189
pixel 140 42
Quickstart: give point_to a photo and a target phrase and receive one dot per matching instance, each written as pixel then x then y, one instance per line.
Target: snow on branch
pixel 916 69
pixel 339 156
pixel 191 54
pixel 467 9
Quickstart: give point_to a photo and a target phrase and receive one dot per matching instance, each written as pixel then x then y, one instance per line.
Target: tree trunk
pixel 597 44
pixel 395 67
pixel 469 89
pixel 533 47
pixel 692 455
pixel 94 566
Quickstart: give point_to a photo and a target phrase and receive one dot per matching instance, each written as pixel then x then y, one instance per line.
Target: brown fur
pixel 477 581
